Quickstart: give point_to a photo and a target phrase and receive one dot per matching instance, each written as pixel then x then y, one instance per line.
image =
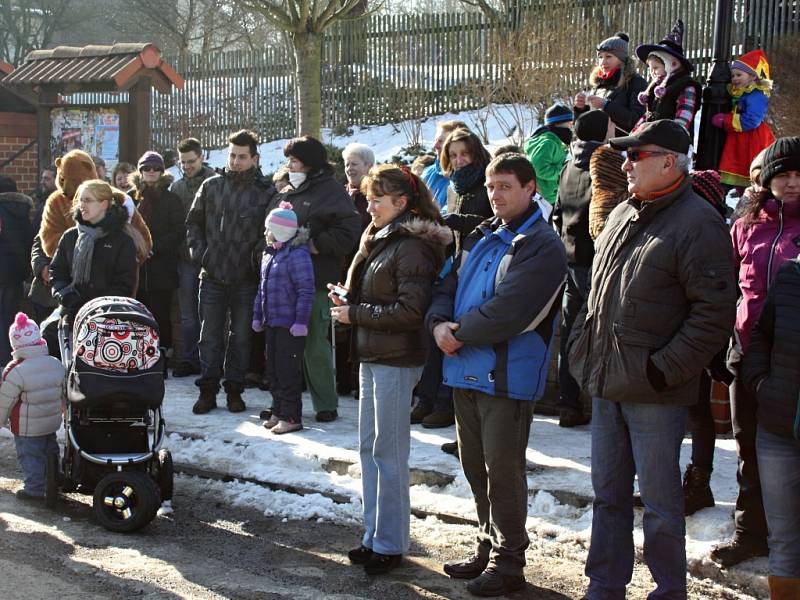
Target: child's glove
pixel 642 97
pixel 718 120
pixel 257 325
pixel 298 330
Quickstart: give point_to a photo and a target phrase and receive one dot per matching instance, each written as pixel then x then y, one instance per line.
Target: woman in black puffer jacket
pixel 162 210
pixel 389 287
pixel 771 370
pixel 464 159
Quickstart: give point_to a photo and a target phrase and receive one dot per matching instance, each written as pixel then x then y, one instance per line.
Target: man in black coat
pixel 225 229
pixel 571 220
pixel 16 237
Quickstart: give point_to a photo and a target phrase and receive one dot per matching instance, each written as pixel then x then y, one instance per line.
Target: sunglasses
pixel 148 169
pixel 637 155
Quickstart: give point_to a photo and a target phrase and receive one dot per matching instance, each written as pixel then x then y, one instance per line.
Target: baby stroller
pixel 113 423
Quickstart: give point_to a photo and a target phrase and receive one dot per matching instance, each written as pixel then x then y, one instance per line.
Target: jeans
pixel 216 299
pixel 10 302
pixel 701 423
pixel 188 294
pixel 384 440
pixel 285 372
pixel 779 466
pixel 492 439
pixel 645 440
pixel 318 357
pixel 575 294
pixel 32 454
pixel 749 518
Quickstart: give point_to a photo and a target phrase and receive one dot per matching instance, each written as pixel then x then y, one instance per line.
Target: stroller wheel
pixel 125 501
pixel 51 478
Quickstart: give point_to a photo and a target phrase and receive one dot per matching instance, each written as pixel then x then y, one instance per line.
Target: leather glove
pixel 257 325
pixel 299 330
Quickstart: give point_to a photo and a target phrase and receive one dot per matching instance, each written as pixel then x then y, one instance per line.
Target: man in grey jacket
pixel 190 153
pixel 662 302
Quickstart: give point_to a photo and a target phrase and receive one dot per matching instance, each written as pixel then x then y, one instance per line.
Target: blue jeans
pixel 779 468
pixel 188 292
pixel 384 439
pixel 645 440
pixel 216 299
pixel 575 294
pixel 32 454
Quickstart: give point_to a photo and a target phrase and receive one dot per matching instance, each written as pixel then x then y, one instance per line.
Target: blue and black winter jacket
pixel 504 292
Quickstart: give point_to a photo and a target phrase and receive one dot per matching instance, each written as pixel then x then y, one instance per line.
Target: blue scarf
pixel 466 178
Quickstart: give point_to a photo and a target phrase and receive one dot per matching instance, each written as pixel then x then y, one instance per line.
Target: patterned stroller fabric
pixel 115 354
pixel 117 345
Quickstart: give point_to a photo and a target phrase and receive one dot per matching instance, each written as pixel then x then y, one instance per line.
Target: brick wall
pixel 17 130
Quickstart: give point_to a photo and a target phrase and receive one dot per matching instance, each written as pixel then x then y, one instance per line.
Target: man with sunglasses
pixel 662 303
pixel 195 172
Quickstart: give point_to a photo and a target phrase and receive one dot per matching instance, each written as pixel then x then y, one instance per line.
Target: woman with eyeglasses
pixel 162 210
pixel 96 257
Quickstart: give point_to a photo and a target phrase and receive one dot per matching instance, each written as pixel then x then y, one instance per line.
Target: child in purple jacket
pixel 282 309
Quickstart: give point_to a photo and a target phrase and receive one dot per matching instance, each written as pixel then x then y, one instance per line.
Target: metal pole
pixel 715 94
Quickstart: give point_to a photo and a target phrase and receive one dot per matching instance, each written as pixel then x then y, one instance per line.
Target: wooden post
pixel 138 126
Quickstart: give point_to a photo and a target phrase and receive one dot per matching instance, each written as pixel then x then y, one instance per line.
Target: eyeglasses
pixel 148 169
pixel 637 155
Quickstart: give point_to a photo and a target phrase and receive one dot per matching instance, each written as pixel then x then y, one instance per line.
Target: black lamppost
pixel 715 94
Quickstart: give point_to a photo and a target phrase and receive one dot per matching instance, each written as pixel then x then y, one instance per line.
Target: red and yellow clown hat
pixel 754 62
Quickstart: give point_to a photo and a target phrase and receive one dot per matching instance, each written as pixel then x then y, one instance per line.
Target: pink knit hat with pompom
pixel 24 332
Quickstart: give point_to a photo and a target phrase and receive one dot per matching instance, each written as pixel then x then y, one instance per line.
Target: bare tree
pixel 27 25
pixel 305 21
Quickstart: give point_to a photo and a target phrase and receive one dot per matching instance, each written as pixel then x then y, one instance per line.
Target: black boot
pixel 696 489
pixel 207 400
pixel 234 397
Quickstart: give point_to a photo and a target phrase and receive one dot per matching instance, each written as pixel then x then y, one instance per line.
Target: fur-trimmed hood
pixel 408 224
pixel 17 201
pixel 137 184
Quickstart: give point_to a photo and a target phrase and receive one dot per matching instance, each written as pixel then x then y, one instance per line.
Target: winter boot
pixel 438 419
pixel 420 412
pixel 784 588
pixel 738 550
pixel 207 400
pixel 234 397
pixel 696 490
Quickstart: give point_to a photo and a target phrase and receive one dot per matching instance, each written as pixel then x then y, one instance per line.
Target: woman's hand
pixel 596 101
pixel 341 313
pixel 580 100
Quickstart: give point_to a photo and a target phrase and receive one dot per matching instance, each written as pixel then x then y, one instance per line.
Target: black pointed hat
pixel 672 44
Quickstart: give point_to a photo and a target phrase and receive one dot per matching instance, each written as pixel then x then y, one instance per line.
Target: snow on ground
pixel 324 457
pixel 389 140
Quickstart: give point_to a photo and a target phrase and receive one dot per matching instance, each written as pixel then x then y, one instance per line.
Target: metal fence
pixel 392 67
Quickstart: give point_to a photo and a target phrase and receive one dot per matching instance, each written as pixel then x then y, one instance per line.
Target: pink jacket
pixel 760 249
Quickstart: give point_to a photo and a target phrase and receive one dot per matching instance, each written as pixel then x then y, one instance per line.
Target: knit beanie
pixel 783 155
pixel 7 184
pixel 706 184
pixel 558 113
pixel 24 332
pixel 282 222
pixel 592 126
pixel 151 159
pixel 617 45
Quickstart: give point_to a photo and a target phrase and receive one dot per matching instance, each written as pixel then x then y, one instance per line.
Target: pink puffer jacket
pixel 761 248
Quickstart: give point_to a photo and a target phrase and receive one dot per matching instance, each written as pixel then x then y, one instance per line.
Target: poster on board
pixel 95 131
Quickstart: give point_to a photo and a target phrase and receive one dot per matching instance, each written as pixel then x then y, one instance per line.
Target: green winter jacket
pixel 547 154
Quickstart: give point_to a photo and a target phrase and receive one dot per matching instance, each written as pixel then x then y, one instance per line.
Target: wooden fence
pixel 392 67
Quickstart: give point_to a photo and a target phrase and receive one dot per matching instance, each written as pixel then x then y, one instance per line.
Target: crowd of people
pixel 448 282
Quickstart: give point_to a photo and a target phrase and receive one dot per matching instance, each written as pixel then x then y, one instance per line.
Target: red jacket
pixel 760 249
